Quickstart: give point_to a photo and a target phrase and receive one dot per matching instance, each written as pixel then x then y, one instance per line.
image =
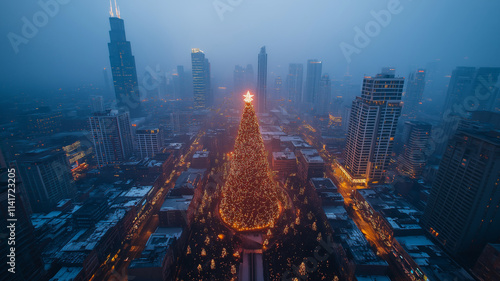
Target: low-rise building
pixel 284 163
pixel 311 165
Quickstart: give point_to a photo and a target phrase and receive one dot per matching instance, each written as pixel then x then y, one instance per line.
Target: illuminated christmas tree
pixel 250 198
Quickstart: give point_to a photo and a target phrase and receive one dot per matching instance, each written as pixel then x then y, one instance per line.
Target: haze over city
pixel 71 49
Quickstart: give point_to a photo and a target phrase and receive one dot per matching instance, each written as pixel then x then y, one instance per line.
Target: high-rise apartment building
pixel 148 142
pixel 372 127
pixel 463 212
pixel 112 137
pixel 46 177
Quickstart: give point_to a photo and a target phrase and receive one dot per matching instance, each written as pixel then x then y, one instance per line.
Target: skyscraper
pixel 470 90
pixel 324 95
pixel 261 96
pixel 179 81
pixel 314 68
pixel 46 177
pixel 372 127
pixel 462 211
pixel 123 67
pixel 415 86
pixel 112 136
pixel 294 82
pixel 202 89
pixel 416 136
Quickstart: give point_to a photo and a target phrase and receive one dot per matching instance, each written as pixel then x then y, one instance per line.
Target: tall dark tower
pixel 123 66
pixel 202 89
pixel 294 82
pixel 314 68
pixel 414 91
pixel 262 81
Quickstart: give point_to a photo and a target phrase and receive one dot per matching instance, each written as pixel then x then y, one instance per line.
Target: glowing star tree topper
pixel 248 97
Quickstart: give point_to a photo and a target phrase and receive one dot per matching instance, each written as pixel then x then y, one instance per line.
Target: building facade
pixel 313 77
pixel 46 177
pixel 123 68
pixel 462 212
pixel 294 82
pixel 415 87
pixel 202 89
pixel 416 136
pixel 149 142
pixel 372 127
pixel 112 137
pixel 261 97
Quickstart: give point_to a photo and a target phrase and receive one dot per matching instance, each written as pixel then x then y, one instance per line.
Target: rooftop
pixel 323 183
pixel 311 156
pixel 138 191
pixel 180 203
pixel 287 155
pixel 201 154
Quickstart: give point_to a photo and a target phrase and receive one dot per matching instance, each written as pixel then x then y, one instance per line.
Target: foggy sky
pixel 71 49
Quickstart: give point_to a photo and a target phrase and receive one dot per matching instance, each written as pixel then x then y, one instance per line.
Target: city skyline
pixel 150 51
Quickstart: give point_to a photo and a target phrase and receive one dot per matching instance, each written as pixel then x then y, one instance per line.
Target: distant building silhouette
pixel 202 88
pixel 278 87
pixel 123 68
pixel 322 103
pixel 415 86
pixel 261 97
pixel 294 82
pixel 96 104
pixel 243 78
pixel 470 89
pixel 180 83
pixel 416 136
pixel 372 127
pixel 311 93
pixel 112 137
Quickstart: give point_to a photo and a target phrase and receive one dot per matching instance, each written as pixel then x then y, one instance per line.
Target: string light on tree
pixel 251 200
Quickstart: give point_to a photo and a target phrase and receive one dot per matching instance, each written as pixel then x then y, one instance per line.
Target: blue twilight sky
pixel 70 47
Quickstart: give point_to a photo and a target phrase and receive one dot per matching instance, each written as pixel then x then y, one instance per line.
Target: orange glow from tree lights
pixel 250 198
